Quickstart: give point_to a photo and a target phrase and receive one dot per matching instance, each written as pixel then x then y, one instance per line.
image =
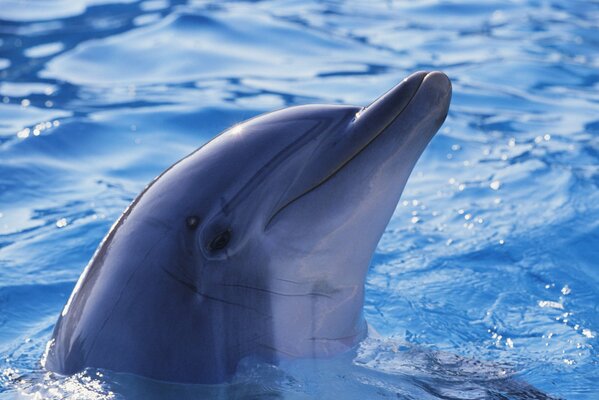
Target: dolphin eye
pixel 192 222
pixel 220 241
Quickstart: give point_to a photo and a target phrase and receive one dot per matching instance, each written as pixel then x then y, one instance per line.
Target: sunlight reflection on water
pixel 491 254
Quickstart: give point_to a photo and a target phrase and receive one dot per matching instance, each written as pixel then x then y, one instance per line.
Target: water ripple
pixel 485 283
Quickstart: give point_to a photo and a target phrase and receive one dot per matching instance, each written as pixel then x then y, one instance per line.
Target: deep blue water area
pixel 485 284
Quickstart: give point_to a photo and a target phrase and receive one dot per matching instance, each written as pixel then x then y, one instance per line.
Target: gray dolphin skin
pixel 255 245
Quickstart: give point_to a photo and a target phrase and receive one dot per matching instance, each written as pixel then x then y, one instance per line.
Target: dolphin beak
pixel 386 108
pixel 434 87
pixel 414 109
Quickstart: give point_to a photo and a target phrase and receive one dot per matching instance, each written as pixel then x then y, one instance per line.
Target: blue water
pixel 486 282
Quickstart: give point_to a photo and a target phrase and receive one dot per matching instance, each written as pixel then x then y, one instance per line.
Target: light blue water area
pixel 486 282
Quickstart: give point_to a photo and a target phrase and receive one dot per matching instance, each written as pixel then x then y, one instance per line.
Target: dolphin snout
pixel 384 110
pixel 412 110
pixel 438 80
pixel 436 87
pixel 433 87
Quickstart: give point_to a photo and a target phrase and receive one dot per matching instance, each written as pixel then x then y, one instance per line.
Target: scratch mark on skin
pixel 120 295
pixel 196 290
pixel 315 294
pixel 272 348
pixel 324 339
pixel 252 341
pixel 158 223
pixel 289 281
pixel 183 282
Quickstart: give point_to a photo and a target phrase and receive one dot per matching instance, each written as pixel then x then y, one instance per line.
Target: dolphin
pixel 256 245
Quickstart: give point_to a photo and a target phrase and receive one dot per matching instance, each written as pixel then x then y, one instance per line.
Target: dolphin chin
pixel 255 245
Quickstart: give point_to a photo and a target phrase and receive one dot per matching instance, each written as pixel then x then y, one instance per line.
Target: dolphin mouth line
pixel 352 157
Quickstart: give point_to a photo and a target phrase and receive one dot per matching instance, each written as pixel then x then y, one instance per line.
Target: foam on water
pixel 486 282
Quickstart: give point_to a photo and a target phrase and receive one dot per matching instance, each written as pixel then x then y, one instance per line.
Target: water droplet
pixel 550 304
pixel 588 333
pixel 23 133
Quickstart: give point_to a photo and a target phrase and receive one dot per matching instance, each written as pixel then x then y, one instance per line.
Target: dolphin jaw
pixel 377 118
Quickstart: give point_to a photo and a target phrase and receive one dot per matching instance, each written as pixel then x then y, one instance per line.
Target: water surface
pixel 484 285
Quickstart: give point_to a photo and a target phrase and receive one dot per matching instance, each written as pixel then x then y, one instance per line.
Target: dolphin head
pixel 291 205
pixel 264 235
